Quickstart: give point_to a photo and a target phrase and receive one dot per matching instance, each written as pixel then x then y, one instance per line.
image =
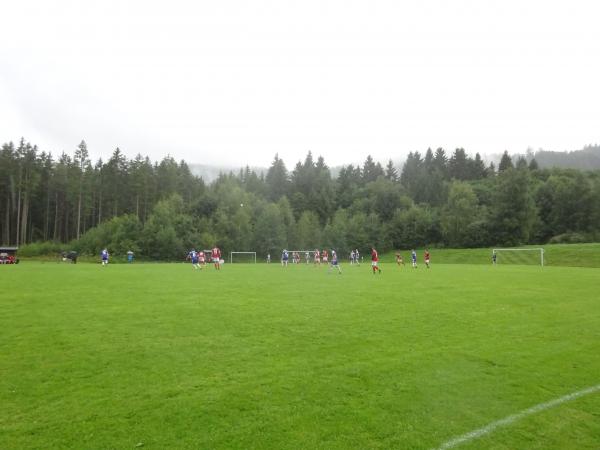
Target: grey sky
pixel 235 82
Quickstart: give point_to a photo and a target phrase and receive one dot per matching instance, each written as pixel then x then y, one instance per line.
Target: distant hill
pixel 586 159
pixel 211 173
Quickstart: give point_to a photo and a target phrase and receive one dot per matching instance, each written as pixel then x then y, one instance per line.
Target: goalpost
pixel 530 256
pixel 251 256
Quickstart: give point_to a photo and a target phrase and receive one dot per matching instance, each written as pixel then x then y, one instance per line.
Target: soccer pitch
pixel 258 356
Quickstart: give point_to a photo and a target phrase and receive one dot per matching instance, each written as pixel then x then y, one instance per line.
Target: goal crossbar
pixel 241 253
pixel 540 250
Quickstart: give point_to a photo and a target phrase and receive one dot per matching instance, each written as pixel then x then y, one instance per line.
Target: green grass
pixel 563 255
pixel 161 356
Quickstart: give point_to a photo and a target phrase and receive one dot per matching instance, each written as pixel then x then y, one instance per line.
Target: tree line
pixel 160 209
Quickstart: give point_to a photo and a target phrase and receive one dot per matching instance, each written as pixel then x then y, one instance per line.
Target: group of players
pixel 198 258
pixel 318 257
pixel 413 258
pixel 323 256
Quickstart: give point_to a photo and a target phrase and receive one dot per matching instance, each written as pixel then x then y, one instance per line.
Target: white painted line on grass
pixel 515 417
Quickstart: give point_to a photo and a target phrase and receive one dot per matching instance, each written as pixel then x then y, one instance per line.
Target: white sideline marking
pixel 518 416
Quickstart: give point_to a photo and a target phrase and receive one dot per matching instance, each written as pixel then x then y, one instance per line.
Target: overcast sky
pixel 234 82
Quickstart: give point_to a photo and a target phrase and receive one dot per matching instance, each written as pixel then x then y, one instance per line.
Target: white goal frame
pixel 241 253
pixel 540 250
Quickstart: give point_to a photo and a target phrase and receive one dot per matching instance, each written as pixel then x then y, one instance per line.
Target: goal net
pixel 519 256
pixel 242 257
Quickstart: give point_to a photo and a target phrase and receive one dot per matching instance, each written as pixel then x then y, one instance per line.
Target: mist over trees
pixel 160 209
pixel 587 158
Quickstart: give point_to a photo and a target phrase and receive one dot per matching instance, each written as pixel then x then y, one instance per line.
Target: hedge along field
pixel 256 356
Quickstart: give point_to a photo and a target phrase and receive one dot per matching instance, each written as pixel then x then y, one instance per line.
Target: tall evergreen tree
pixel 505 162
pixel 440 161
pixel 371 170
pixel 458 165
pixel 81 160
pixel 277 179
pixel 428 162
pixel 477 168
pixel 533 165
pixel 390 172
pixel 521 163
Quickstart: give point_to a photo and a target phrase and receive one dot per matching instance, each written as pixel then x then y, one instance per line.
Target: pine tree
pixel 81 159
pixel 440 161
pixel 533 165
pixel 390 172
pixel 521 163
pixel 458 165
pixel 371 170
pixel 477 168
pixel 505 162
pixel 429 160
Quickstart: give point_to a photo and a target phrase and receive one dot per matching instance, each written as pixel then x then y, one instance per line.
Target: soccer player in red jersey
pixel 317 257
pixel 427 258
pixel 375 261
pixel 325 257
pixel 216 257
pixel 399 259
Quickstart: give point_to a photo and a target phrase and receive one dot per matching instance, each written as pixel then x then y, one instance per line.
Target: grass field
pixel 563 255
pixel 160 356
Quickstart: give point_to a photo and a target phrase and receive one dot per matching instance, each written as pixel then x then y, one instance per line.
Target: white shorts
pixel 427 261
pixel 325 259
pixel 317 260
pixel 215 260
pixel 374 263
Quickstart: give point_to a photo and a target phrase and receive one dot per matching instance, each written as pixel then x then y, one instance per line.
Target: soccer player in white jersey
pixel 104 255
pixel 284 258
pixel 413 257
pixel 193 256
pixel 334 262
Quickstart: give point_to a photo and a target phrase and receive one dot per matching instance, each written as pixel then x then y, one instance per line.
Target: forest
pixel 160 210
